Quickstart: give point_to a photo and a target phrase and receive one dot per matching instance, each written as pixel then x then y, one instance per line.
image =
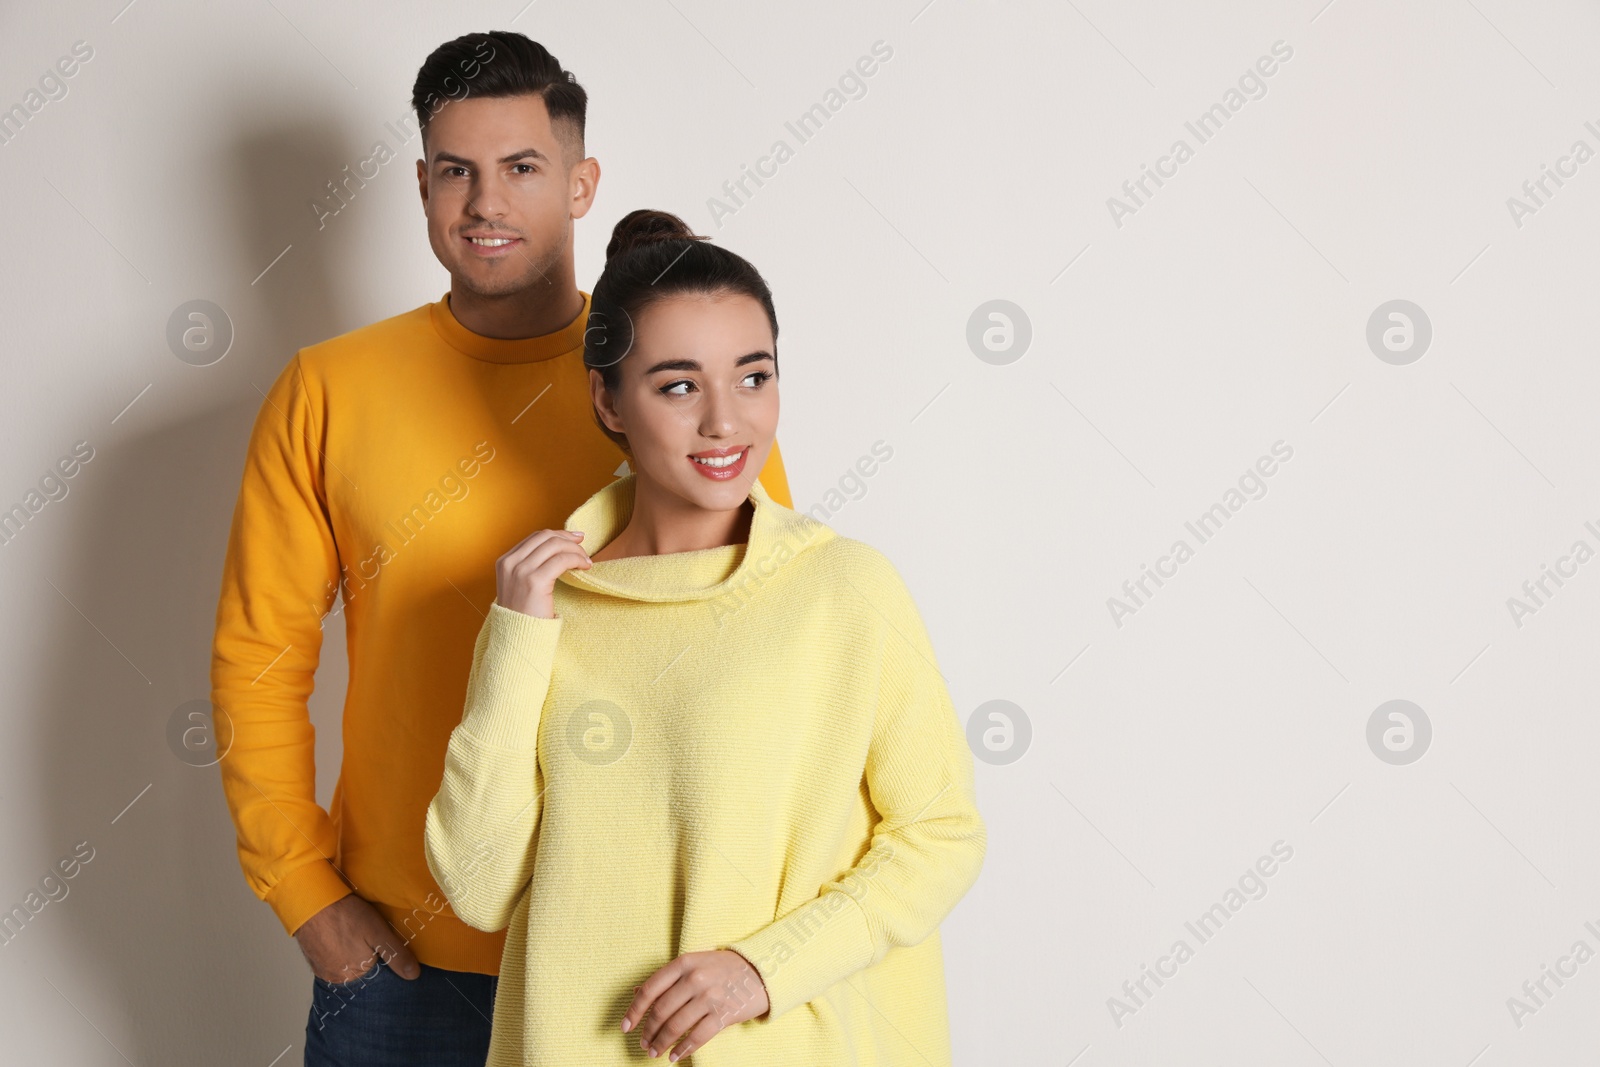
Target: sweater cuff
pixel 304 891
pixel 510 677
pixel 811 949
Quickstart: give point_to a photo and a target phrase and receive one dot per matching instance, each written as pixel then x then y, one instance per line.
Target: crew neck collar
pixel 503 349
pixel 777 534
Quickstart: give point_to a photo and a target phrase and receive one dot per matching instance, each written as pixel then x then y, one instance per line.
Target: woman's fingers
pixel 525 577
pixel 539 537
pixel 653 1001
pixel 686 1018
pixel 692 999
pixel 540 558
pixel 707 1028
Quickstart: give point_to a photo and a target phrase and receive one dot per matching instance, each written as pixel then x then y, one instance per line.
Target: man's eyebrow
pixel 526 153
pixel 694 364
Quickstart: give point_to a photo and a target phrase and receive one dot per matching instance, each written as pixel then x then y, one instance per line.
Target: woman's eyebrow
pixel 694 364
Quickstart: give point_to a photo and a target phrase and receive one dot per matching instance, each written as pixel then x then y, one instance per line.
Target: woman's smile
pixel 720 464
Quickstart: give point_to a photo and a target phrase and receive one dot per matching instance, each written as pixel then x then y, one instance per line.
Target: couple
pixel 698 787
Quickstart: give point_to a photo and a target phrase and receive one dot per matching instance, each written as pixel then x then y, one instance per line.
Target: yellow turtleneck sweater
pixel 746 747
pixel 394 463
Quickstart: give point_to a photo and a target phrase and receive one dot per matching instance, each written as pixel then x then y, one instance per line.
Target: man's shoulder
pixel 382 339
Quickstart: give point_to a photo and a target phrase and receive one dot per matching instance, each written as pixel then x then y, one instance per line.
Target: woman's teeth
pixel 719 461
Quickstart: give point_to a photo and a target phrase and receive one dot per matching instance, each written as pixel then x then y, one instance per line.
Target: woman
pixel 708 772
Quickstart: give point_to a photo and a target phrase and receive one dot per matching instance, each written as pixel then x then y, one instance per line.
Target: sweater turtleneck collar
pixel 777 534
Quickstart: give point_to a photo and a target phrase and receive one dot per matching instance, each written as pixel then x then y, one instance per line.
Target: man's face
pixel 497 170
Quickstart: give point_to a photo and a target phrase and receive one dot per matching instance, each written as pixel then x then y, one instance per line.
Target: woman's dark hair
pixel 653 255
pixel 497 64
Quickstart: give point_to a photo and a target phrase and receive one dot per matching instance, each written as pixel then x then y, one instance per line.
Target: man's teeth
pixel 490 242
pixel 719 461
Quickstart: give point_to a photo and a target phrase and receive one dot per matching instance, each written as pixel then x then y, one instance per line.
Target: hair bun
pixel 647 226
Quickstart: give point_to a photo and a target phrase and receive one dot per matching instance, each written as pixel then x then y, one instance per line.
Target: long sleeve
pixel 278 581
pixel 479 832
pixel 926 849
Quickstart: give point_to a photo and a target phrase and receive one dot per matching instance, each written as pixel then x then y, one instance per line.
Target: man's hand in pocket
pixel 344 940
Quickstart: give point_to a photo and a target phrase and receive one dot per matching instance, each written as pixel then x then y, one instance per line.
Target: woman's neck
pixel 663 522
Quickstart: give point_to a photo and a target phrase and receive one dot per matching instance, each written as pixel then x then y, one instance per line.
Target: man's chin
pixel 492 287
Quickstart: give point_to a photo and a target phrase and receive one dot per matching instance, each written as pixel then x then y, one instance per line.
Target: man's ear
pixel 584 180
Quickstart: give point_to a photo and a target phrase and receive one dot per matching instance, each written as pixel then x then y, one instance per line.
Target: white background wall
pixel 1168 353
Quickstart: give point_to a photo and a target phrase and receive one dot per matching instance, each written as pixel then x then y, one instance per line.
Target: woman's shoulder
pixel 857 565
pixel 848 554
pixel 831 558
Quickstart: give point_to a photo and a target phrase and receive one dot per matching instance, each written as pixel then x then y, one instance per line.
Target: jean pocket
pixel 371 974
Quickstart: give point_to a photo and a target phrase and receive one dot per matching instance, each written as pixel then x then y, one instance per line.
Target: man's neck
pixel 545 307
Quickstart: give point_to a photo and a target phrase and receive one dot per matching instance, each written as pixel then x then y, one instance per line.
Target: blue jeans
pixel 439 1019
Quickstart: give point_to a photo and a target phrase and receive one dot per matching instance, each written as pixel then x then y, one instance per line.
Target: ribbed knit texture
pixel 746 747
pixel 401 459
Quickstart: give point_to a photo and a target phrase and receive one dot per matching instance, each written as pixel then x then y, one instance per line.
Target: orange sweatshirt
pixel 393 464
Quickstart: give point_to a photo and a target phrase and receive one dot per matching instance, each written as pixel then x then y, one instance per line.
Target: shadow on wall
pixel 167 942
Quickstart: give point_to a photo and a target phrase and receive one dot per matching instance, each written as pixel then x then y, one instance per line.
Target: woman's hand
pixel 525 577
pixel 696 995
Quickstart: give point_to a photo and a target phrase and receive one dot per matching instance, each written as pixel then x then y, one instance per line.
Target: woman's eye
pixel 684 386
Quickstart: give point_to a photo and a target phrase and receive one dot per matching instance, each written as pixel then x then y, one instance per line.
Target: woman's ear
pixel 604 403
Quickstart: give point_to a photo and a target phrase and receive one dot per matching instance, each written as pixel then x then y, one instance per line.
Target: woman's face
pixel 699 383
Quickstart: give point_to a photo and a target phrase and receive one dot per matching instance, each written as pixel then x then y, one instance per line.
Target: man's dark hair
pixel 497 64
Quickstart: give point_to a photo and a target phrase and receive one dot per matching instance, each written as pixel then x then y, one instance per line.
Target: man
pixel 393 465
